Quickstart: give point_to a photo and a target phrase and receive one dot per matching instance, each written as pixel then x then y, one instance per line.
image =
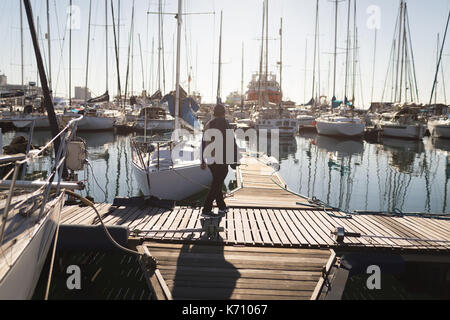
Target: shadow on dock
pixel 204 274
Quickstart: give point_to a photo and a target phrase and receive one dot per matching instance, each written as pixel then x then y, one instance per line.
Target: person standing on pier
pixel 223 154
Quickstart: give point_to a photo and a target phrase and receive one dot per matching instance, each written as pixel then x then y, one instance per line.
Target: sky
pixel 242 21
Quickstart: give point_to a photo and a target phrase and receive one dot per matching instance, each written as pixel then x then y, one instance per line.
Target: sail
pixel 102 98
pixel 311 102
pixel 156 96
pixel 335 103
pixel 187 106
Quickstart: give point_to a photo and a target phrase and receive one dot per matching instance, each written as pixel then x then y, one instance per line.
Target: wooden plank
pixel 167 224
pixel 165 246
pixel 284 237
pixel 230 233
pixel 236 214
pixel 253 227
pixel 398 232
pixel 187 272
pixel 270 228
pixel 157 226
pixel 311 227
pixel 353 224
pixel 330 223
pixel 381 230
pixel 421 232
pixel 154 277
pixel 319 286
pixel 372 229
pixel 246 226
pixel 183 224
pixel 264 233
pixel 301 230
pixel 194 215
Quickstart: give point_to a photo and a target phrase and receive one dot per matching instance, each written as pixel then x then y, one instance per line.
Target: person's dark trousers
pixel 219 173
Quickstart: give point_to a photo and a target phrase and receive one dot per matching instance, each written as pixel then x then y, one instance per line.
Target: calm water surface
pixel 349 174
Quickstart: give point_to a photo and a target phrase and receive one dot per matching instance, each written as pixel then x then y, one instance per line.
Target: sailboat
pixel 93 118
pixel 30 211
pixel 340 125
pixel 271 116
pixel 405 123
pixel 170 169
pixel 440 128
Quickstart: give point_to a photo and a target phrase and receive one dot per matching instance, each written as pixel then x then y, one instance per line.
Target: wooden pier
pixel 274 244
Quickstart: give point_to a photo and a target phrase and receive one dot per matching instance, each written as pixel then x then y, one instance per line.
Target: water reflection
pixel 352 175
pixel 403 153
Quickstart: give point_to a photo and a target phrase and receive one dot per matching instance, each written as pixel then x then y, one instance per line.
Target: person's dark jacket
pixel 222 125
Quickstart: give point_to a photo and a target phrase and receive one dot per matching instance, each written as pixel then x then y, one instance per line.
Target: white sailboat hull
pixel 173 184
pixel 403 131
pixel 285 127
pixel 438 130
pixel 21 279
pixel 96 124
pixel 343 129
pixel 40 123
pixel 158 125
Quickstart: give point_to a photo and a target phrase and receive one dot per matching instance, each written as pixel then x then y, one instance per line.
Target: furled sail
pixel 102 98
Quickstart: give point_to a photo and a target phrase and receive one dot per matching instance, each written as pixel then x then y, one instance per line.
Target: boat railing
pixel 143 149
pixel 65 137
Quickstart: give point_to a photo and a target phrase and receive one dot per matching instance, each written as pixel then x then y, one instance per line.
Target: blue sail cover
pixel 186 110
pixel 335 103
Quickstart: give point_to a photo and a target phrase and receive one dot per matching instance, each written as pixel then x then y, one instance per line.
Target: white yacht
pixel 95 119
pixel 155 120
pixel 440 128
pixel 402 125
pixel 171 169
pixel 286 127
pixel 163 175
pixel 342 126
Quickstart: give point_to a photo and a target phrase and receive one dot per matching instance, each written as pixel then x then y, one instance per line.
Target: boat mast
pixel 242 78
pixel 281 64
pixel 306 67
pixel 313 95
pixel 266 93
pixel 70 55
pixel 116 49
pixel 262 56
pixel 397 99
pixel 21 52
pixel 49 50
pixel 440 58
pixel 177 96
pixel 219 99
pixel 142 63
pixel 88 49
pixel 47 97
pixel 347 52
pixel 355 51
pixel 159 44
pixel 106 37
pixel 335 50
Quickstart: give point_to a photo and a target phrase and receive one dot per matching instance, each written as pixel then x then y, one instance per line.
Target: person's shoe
pixel 208 214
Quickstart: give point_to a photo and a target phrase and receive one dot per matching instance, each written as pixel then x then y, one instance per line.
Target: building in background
pixel 82 94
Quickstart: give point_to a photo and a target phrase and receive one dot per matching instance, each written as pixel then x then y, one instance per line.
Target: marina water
pixel 410 176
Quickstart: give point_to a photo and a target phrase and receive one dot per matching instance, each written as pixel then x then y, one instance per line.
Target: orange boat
pixel 270 89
